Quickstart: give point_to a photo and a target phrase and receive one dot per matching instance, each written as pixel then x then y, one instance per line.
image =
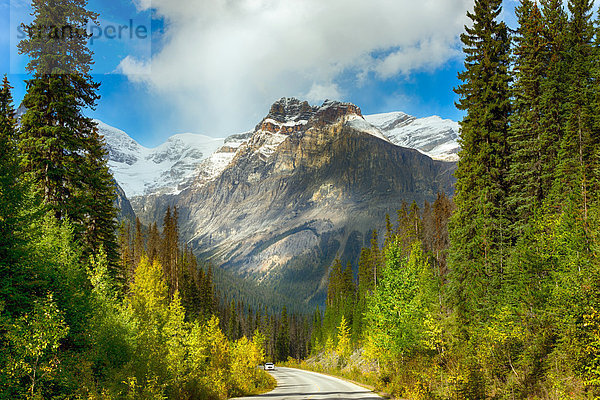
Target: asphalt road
pixel 295 384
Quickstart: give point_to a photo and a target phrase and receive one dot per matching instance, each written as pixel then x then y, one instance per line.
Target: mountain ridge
pixel 185 158
pixel 307 185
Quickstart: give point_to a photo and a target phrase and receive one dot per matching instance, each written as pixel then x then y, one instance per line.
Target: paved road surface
pixel 295 384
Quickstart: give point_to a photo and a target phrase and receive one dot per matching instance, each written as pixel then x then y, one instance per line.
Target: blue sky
pixel 214 66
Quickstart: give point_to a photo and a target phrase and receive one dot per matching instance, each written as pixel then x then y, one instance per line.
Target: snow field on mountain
pixel 185 157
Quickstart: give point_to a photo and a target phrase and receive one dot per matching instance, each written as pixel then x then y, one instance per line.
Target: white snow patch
pixel 290 123
pixel 357 122
pixel 141 170
pixel 433 136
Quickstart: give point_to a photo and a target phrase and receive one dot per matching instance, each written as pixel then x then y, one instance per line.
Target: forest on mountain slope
pixel 88 310
pixel 500 298
pixel 492 294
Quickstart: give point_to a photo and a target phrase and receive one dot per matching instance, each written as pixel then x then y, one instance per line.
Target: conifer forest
pixel 493 293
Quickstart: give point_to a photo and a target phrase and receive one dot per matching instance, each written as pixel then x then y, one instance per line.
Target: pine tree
pixel 366 282
pixel 435 227
pixel 479 225
pixel 578 143
pixel 13 205
pixel 376 259
pixel 11 190
pixel 62 151
pixel 170 248
pixel 389 228
pixel 553 91
pixel 153 242
pixel 232 321
pixel 525 134
pixel 282 344
pixel 99 202
pixel 138 243
pixel 126 263
pixel 190 286
pixel 409 227
pixel 208 292
pixel 175 246
pixel 334 288
pixel 442 211
pixel 595 140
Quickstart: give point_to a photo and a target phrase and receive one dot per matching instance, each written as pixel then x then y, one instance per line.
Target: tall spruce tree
pixel 138 243
pixel 479 225
pixel 13 211
pixel 553 91
pixel 282 343
pixel 61 148
pixel 525 133
pixel 170 248
pixel 11 190
pixel 575 169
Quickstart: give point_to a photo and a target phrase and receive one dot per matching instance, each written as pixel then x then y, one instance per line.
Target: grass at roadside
pixel 265 384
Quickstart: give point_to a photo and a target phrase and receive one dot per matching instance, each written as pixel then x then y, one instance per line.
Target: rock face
pixel 309 183
pixel 125 211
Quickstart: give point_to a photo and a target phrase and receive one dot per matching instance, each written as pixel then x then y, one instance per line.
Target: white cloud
pixel 319 93
pixel 136 70
pixel 224 61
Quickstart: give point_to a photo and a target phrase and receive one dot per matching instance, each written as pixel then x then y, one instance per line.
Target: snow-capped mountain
pixel 433 136
pixel 141 170
pixel 309 182
pixel 191 158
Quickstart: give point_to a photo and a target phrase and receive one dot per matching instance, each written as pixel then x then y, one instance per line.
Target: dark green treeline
pixel 512 311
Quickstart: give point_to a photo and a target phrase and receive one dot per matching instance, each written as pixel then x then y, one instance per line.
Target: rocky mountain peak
pixel 309 183
pixel 289 109
pixel 332 111
pixel 290 115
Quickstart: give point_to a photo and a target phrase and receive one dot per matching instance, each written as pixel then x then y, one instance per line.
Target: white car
pixel 269 367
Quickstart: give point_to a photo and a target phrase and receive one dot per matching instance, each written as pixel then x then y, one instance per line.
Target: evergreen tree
pixel 553 91
pixel 153 242
pixel 316 337
pixel 98 198
pixel 579 141
pixel 365 288
pixel 283 337
pixel 170 248
pixel 11 191
pixel 479 225
pixel 138 243
pixel 376 259
pixel 525 134
pixel 209 292
pixel 13 203
pixel 409 227
pixel 334 288
pixel 190 286
pixel 126 261
pixel 366 283
pixel 232 321
pixel 436 239
pixel 388 231
pixel 62 150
